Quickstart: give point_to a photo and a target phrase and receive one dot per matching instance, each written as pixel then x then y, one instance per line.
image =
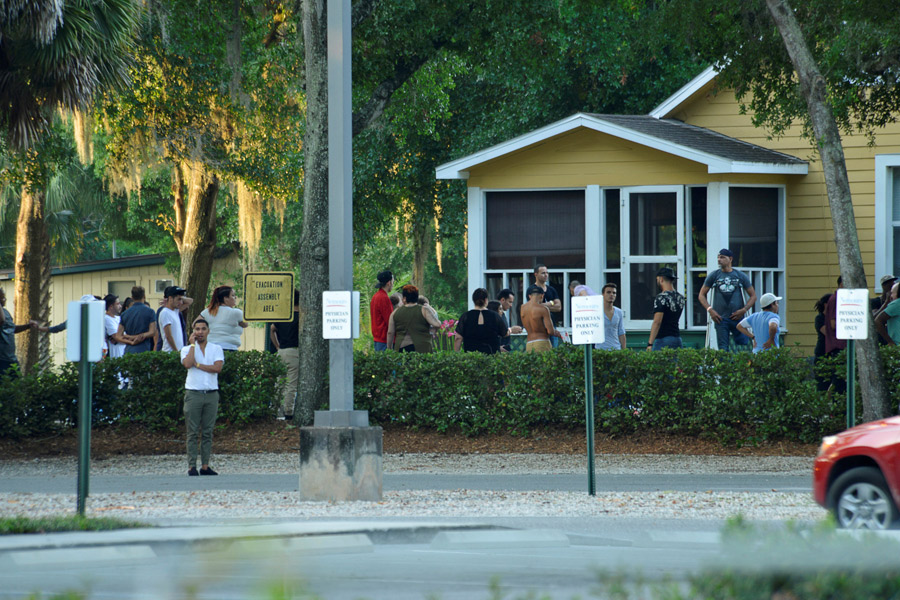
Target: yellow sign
pixel 269 297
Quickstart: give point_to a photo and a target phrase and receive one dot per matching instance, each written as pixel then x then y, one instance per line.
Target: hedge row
pixel 736 398
pixel 731 397
pixel 250 384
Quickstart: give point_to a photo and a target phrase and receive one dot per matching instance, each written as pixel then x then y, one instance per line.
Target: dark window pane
pixel 896 250
pixel 698 226
pixel 753 226
pixel 613 231
pixel 615 278
pixel 644 289
pixel 573 277
pixel 653 224
pixel 493 285
pixel 698 313
pixel 527 228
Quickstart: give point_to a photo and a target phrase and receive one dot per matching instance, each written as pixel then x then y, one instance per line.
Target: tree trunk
pixel 872 386
pixel 32 256
pixel 195 190
pixel 313 386
pixel 421 229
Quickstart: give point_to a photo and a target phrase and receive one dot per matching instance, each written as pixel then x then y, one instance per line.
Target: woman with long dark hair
pixel 226 322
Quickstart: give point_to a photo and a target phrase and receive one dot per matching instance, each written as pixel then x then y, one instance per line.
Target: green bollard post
pixel 851 384
pixel 85 370
pixel 589 413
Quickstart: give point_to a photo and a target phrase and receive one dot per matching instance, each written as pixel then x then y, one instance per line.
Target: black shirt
pixel 670 304
pixel 819 323
pixel 288 333
pixel 481 338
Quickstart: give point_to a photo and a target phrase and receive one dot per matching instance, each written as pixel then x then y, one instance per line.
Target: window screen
pixel 527 228
pixel 753 226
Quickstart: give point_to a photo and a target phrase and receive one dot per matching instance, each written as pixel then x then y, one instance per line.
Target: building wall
pixel 67 287
pixel 812 263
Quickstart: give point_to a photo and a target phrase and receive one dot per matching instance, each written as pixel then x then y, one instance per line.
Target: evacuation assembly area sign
pixel 851 317
pixel 269 297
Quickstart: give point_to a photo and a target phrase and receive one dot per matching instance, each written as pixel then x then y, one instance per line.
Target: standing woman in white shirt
pixel 226 323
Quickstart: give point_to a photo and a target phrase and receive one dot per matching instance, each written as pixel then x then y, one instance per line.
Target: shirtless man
pixel 536 320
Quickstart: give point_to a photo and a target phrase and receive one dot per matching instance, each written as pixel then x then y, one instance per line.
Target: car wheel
pixel 860 500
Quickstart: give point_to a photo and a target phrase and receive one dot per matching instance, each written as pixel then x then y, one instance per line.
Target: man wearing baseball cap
pixel 728 304
pixel 536 320
pixel 667 308
pixel 380 309
pixel 762 328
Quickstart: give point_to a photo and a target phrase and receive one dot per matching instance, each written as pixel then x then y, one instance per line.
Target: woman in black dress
pixel 480 330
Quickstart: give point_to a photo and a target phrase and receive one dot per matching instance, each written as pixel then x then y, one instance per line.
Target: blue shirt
pixel 758 323
pixel 614 328
pixel 136 320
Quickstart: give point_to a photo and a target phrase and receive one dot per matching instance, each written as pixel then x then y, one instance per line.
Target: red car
pixel 857 475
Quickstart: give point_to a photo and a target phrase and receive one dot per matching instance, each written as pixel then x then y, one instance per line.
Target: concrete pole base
pixel 341 463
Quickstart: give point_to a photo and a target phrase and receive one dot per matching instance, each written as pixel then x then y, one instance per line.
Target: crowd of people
pixel 135 327
pixel 407 323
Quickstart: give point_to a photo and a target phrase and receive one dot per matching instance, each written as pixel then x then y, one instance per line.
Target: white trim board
pixel 692 87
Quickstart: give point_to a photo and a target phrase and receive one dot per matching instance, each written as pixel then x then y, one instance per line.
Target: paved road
pixel 558 557
pixel 397 482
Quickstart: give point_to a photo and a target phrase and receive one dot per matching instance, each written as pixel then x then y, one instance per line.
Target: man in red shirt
pixel 380 309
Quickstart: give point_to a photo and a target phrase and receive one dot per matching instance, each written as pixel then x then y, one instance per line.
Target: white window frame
pixel 625 244
pixel 886 167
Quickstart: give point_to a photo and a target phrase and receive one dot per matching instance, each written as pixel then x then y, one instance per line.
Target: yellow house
pixel 117 276
pixel 612 198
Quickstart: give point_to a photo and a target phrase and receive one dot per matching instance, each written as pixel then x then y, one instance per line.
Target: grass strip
pixel 18 525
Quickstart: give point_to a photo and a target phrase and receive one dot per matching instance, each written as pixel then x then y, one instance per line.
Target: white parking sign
pixel 588 326
pixel 852 314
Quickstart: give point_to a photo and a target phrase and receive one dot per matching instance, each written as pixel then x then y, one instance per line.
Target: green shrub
pixel 737 398
pixel 250 389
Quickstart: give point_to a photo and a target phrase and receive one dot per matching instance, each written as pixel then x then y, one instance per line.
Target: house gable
pixel 673 139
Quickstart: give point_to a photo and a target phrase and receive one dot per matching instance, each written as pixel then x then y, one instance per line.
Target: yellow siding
pixel 585 157
pixel 68 287
pixel 812 265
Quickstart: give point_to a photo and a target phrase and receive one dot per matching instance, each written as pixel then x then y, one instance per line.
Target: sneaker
pixel 193 471
pixel 207 471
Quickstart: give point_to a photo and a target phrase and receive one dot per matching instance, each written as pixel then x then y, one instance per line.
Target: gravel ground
pixel 437 464
pixel 452 503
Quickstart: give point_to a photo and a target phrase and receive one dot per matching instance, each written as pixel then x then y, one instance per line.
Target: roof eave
pixel 760 168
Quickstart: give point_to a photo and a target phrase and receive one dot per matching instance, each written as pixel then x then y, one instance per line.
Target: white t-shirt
pixel 112 326
pixel 201 380
pixel 170 316
pixel 224 328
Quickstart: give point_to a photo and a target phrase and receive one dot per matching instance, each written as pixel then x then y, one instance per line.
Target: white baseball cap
pixel 768 299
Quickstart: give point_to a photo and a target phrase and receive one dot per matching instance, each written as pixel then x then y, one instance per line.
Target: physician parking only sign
pixel 588 326
pixel 852 315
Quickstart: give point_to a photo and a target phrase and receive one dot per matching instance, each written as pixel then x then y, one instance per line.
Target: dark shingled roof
pixel 700 139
